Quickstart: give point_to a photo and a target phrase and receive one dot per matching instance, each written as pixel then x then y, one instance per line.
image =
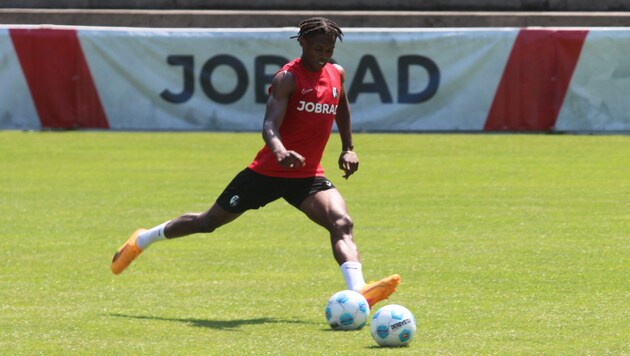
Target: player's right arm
pixel 282 87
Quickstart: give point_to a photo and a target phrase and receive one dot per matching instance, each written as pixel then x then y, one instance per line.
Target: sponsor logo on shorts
pixel 234 201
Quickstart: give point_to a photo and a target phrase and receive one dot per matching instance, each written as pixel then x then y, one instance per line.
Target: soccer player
pixel 306 96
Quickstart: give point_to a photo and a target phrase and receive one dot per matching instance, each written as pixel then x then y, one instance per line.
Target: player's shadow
pixel 213 324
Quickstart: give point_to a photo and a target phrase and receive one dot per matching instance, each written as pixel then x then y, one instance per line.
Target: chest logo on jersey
pixel 335 94
pixel 317 108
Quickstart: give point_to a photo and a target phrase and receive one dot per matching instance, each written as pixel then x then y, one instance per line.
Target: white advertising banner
pixel 397 79
pixel 409 80
pixel 183 80
pixel 423 80
pixel 17 110
pixel 597 99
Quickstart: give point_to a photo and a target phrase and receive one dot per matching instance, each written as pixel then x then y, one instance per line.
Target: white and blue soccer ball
pixel 393 325
pixel 347 310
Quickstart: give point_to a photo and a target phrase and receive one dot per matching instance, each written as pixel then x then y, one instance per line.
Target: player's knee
pixel 344 224
pixel 207 226
pixel 202 223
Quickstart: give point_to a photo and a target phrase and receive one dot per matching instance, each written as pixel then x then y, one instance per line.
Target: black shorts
pixel 251 190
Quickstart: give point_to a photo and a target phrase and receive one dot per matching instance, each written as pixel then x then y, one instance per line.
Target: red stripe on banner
pixel 535 80
pixel 59 78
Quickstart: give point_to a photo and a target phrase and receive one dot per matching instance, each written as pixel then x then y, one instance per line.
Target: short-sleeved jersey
pixel 308 121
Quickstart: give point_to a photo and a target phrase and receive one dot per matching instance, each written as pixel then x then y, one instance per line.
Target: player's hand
pixel 291 160
pixel 348 163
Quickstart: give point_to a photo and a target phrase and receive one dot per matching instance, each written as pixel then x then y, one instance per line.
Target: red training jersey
pixel 308 121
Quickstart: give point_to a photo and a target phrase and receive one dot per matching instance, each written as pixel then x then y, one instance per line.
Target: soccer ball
pixel 347 310
pixel 393 325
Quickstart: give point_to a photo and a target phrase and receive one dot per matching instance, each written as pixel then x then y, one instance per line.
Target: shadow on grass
pixel 213 324
pixel 377 347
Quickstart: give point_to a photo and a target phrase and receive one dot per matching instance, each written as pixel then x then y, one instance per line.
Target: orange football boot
pixel 126 253
pixel 374 292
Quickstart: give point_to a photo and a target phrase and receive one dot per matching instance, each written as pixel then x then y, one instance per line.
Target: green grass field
pixel 506 244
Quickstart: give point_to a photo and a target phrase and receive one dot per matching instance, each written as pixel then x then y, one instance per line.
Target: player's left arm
pixel 348 160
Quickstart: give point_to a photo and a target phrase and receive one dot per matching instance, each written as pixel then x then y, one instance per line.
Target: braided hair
pixel 318 25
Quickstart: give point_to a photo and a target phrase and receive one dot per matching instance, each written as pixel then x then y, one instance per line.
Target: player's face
pixel 317 50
